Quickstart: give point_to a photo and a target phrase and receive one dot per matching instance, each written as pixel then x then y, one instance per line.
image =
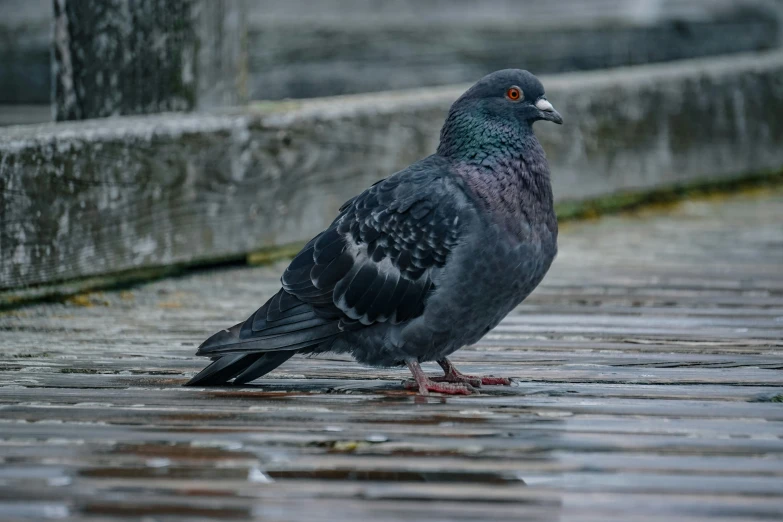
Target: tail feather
pixel 223 369
pixel 271 336
pixel 288 341
pixel 262 366
pixel 223 337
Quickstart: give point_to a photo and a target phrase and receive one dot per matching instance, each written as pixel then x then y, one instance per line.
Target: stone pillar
pixel 116 57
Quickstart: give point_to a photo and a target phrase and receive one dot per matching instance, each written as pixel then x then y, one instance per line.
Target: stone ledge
pixel 81 199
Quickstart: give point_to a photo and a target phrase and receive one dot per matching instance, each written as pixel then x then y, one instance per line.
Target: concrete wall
pixel 86 198
pixel 303 48
pixel 120 57
pixel 25 41
pixel 353 46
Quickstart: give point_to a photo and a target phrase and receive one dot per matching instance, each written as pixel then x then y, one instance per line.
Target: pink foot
pixel 447 388
pixel 425 385
pixel 490 380
pixel 454 375
pixel 476 382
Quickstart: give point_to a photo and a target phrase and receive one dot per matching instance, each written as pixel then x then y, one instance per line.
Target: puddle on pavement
pixel 181 460
pixel 197 417
pixel 187 461
pixel 131 509
pixel 337 474
pixel 350 474
pixel 155 471
pixel 25 510
pixel 180 451
pixel 430 420
pixel 254 394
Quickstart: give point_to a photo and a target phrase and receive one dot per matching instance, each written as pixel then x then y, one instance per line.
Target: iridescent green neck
pixel 473 138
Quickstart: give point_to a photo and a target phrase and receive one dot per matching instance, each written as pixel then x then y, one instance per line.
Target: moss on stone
pixel 273 254
pixel 664 197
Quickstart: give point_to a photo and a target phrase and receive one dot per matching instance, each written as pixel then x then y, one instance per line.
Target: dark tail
pixel 243 368
pixel 271 336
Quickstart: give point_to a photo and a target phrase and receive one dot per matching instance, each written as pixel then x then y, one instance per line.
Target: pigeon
pixel 423 262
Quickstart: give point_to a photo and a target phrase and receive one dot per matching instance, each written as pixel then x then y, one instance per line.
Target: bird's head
pixel 513 95
pixel 496 112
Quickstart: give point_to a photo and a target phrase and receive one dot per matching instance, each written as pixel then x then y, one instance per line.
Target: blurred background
pixel 215 165
pixel 301 48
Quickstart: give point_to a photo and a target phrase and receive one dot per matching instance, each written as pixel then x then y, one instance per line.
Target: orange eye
pixel 514 93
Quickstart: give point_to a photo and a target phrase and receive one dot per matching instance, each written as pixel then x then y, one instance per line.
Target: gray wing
pixel 375 262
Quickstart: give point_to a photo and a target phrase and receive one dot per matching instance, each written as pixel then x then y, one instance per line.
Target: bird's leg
pixel 454 375
pixel 426 385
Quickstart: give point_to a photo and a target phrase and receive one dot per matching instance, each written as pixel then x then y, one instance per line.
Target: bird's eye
pixel 514 93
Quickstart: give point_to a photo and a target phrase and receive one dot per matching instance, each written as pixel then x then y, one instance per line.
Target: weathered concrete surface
pixel 15 114
pixel 85 198
pixel 303 48
pixel 118 57
pixel 649 385
pixel 25 50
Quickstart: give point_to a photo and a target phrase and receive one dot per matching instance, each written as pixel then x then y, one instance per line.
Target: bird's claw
pixel 433 385
pixel 491 380
pixel 452 374
pixel 476 382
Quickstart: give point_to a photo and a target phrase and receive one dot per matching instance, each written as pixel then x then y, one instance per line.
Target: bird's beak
pixel 548 112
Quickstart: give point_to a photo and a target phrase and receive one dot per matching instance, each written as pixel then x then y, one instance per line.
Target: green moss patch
pixel 664 198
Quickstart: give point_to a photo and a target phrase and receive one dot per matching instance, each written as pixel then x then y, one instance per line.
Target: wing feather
pixel 375 263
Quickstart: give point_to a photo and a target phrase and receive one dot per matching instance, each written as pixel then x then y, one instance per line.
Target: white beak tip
pixel 544 105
